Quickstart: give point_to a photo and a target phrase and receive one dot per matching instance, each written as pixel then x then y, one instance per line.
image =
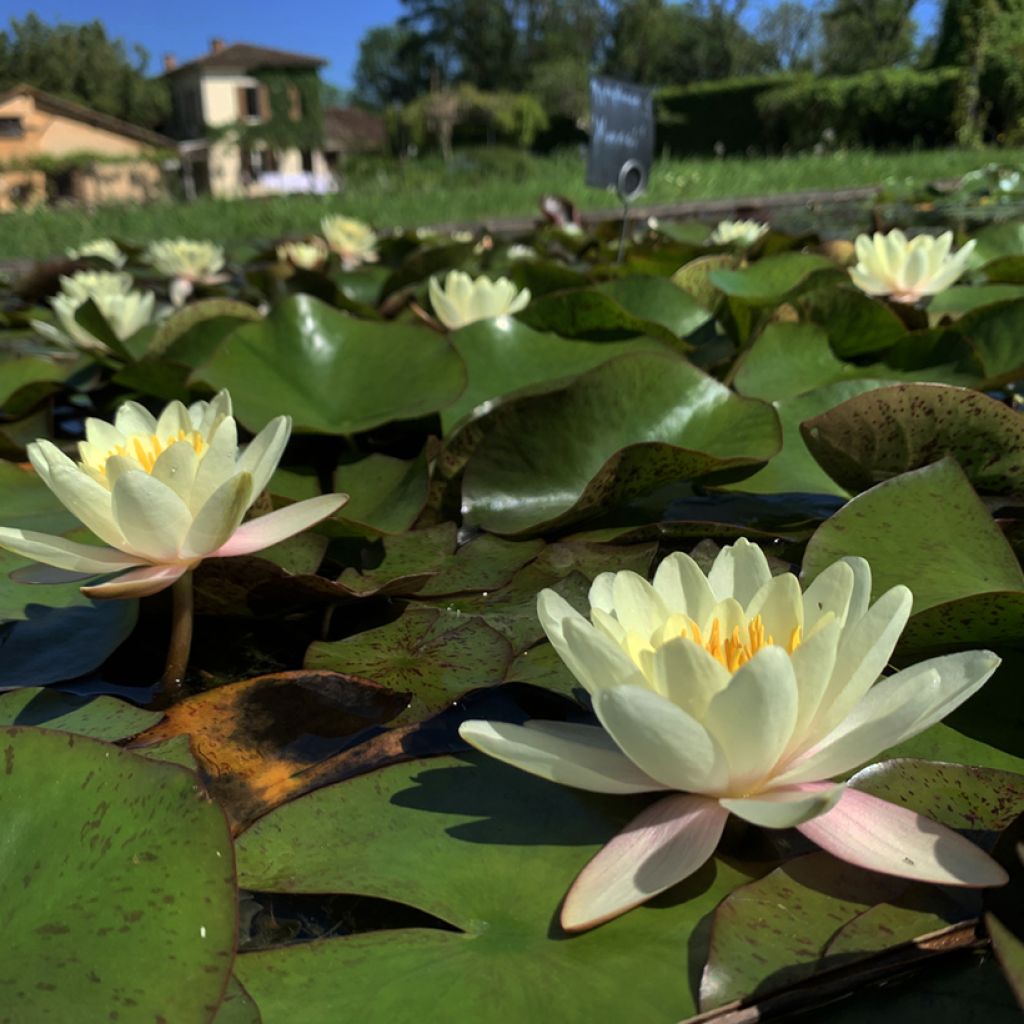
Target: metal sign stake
pixel 631 181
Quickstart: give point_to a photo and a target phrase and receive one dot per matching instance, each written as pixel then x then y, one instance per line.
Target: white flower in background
pixel 736 693
pixel 307 255
pixel 464 300
pixel 521 252
pixel 163 493
pixel 353 241
pixel 125 310
pixel 187 262
pixel 99 248
pixel 741 233
pixel 463 236
pixel 907 270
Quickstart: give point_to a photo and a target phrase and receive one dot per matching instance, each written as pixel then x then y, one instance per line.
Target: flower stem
pixel 181 637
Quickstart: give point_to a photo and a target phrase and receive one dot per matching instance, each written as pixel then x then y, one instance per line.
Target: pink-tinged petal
pixel 264 531
pixel 785 808
pixel 661 846
pixel 874 834
pixel 138 583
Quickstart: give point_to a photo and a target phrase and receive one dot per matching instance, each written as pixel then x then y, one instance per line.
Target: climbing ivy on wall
pixel 282 130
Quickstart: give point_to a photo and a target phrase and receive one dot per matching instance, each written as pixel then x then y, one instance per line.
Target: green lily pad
pixel 912 529
pixel 385 494
pixel 856 323
pixel 421 264
pixel 993 333
pixel 990 619
pixel 892 430
pixel 433 656
pixel 967 298
pixel 794 469
pixel 102 718
pixel 694 277
pixel 620 430
pixel 191 334
pixel 504 356
pixel 658 299
pixel 957 795
pixel 588 313
pixel 25 381
pixel 775 931
pixel 120 887
pixel 331 372
pixel 502 848
pixel 997 241
pixel 775 278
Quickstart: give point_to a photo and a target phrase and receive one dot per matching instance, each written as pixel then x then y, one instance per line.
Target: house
pixel 52 146
pixel 248 121
pixel 349 131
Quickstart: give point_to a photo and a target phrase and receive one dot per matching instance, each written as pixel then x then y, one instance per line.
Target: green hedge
pixel 879 109
pixel 694 118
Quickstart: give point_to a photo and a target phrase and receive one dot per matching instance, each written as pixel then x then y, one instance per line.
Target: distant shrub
pixel 893 108
pixel 698 118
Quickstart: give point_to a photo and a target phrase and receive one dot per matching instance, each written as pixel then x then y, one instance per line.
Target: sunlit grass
pixel 479 186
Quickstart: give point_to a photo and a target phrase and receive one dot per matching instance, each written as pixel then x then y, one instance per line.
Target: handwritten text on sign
pixel 621 129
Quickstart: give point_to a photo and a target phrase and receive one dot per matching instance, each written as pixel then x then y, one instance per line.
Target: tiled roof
pixel 251 58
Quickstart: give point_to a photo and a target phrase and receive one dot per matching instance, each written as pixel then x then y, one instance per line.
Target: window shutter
pixel 264 98
pixel 294 103
pixel 242 111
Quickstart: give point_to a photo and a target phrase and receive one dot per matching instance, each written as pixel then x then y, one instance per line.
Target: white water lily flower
pixel 308 255
pixel 163 493
pixel 907 270
pixel 353 241
pixel 741 233
pixel 99 248
pixel 126 311
pixel 464 300
pixel 739 694
pixel 188 262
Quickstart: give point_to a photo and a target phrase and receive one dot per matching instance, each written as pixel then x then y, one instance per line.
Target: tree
pixel 865 34
pixel 80 62
pixel 792 32
pixel 391 70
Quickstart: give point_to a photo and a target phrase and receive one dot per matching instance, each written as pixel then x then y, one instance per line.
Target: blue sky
pixel 325 28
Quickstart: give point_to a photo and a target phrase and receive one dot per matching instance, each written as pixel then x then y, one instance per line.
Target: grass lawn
pixel 478 185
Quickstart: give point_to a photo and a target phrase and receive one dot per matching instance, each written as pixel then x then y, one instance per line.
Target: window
pixel 11 128
pixel 307 160
pixel 250 101
pixel 294 103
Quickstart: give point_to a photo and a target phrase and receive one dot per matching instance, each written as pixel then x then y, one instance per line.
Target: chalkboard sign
pixel 621 136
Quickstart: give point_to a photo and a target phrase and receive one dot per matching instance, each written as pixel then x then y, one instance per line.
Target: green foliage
pixel 695 118
pixel 882 109
pixel 81 63
pixel 282 130
pixel 865 34
pixel 390 69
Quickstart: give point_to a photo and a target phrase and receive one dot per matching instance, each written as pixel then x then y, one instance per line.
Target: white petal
pixel 173 419
pixel 102 435
pixel 602 593
pixel 753 717
pixel 784 808
pixel 264 452
pixel 637 605
pixel 740 571
pixel 217 463
pixel 662 740
pixel 684 588
pixel 218 519
pixel 88 500
pixel 864 650
pixel 663 845
pixel 880 836
pixel 584 756
pixel 829 593
pixel 780 603
pixel 176 467
pixel 813 662
pixel 63 553
pixel 153 519
pixel 894 710
pixel 687 675
pixel 132 418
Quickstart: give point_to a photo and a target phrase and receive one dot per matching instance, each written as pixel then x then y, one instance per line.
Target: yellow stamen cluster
pixel 733 651
pixel 146 450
